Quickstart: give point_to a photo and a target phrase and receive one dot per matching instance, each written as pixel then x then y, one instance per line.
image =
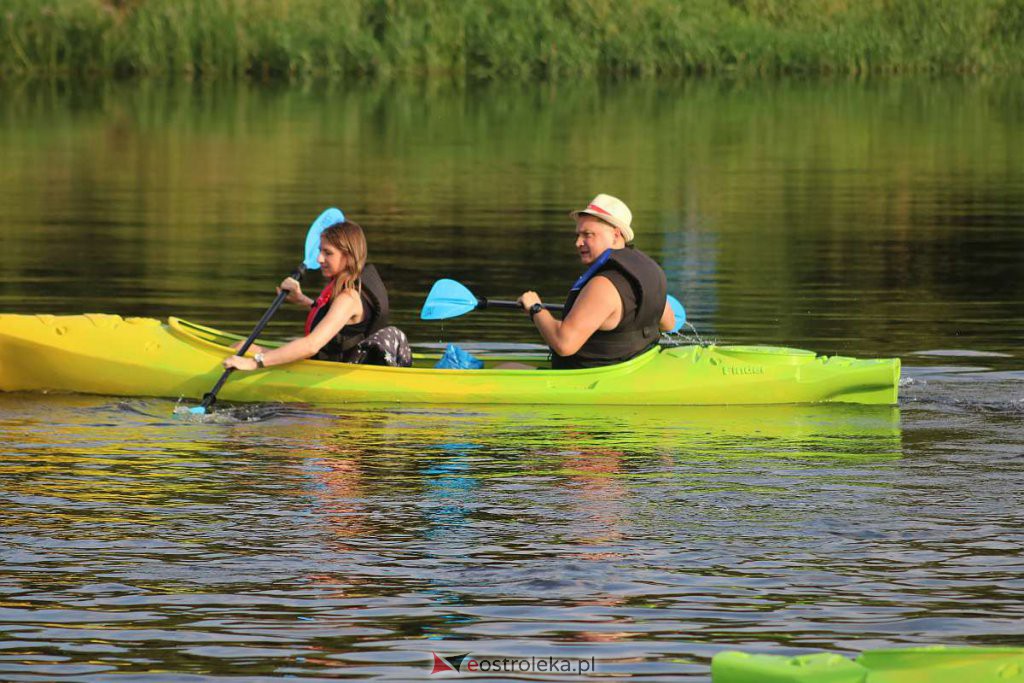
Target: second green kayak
pixel 934 664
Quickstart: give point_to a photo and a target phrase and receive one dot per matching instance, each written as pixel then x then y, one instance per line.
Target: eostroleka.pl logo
pixel 467 663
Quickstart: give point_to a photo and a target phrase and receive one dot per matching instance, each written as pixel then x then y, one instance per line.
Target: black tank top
pixel 374 296
pixel 643 288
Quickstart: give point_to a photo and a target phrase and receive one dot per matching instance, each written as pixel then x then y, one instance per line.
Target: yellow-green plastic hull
pixel 111 355
pixel 935 664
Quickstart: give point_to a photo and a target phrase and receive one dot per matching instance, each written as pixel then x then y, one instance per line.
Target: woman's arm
pixel 251 351
pixel 295 295
pixel 345 307
pixel 597 304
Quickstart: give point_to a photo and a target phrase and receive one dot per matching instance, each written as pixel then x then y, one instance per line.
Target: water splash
pixel 230 414
pixel 683 339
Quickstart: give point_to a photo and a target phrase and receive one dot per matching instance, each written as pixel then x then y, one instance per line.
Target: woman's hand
pixel 528 299
pixel 239 363
pixel 253 349
pixel 295 295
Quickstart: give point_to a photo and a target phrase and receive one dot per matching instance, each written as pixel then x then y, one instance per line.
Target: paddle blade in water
pixel 323 221
pixel 447 299
pixel 197 410
pixel 679 311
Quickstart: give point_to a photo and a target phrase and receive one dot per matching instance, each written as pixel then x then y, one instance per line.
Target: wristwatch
pixel 259 360
pixel 535 309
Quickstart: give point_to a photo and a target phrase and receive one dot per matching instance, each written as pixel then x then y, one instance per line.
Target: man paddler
pixel 617 309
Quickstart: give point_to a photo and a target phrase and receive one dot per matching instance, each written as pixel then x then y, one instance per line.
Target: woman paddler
pixel 348 322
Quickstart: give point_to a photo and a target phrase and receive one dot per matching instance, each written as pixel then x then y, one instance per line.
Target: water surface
pixel 878 218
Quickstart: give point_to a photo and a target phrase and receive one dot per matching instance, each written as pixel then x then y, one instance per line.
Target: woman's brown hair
pixel 348 238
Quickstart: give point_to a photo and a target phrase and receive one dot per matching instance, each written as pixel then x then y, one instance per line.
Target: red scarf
pixel 321 301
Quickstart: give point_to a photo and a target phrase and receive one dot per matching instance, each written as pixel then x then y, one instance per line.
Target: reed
pixel 483 39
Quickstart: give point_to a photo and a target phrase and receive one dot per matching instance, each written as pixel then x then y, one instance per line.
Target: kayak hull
pixel 931 664
pixel 111 355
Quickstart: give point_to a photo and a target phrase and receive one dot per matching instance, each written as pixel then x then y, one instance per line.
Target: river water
pixel 869 218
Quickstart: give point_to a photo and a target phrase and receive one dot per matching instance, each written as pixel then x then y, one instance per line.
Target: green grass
pixel 484 39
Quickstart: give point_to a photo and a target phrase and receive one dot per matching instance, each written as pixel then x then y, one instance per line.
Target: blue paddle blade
pixel 197 410
pixel 323 221
pixel 447 299
pixel 679 311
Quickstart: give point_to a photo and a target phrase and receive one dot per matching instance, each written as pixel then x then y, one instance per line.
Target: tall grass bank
pixel 482 39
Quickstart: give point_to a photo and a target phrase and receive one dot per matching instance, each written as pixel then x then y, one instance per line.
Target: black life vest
pixel 642 285
pixel 375 316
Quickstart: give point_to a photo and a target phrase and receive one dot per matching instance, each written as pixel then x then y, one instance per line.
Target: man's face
pixel 594 237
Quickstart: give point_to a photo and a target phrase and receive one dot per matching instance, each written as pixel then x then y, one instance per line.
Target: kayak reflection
pixel 442 457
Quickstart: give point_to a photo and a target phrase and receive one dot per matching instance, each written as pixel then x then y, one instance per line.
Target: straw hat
pixel 612 211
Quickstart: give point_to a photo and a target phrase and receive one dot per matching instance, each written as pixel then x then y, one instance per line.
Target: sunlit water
pixel 873 219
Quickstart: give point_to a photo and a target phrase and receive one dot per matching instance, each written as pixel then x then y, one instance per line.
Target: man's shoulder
pixel 602 280
pixel 631 255
pixel 634 263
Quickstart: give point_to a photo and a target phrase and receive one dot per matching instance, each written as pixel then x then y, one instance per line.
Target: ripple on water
pixel 961 353
pixel 353 541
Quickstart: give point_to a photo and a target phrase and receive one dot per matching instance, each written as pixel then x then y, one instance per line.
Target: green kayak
pixel 933 664
pixel 108 354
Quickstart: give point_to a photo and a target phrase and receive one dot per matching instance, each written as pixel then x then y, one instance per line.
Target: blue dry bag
pixel 455 358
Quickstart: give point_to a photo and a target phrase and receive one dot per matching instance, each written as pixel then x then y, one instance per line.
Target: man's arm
pixel 668 318
pixel 597 304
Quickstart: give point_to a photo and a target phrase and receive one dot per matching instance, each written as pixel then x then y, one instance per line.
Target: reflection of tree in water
pixel 801 213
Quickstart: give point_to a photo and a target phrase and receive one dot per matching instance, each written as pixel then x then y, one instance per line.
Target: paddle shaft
pixel 677 308
pixel 491 303
pixel 449 299
pixel 209 398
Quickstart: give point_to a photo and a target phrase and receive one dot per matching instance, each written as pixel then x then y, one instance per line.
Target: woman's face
pixel 593 237
pixel 331 259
